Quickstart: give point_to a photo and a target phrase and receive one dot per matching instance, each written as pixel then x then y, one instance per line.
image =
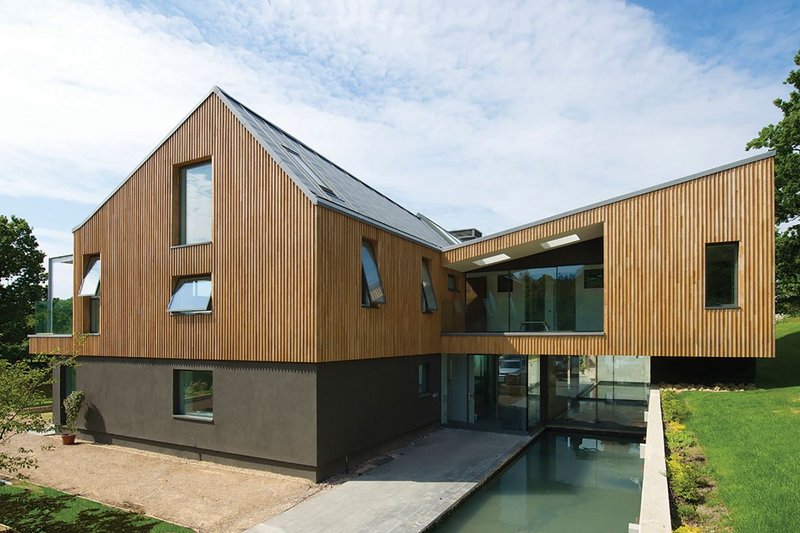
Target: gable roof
pixel 329 185
pixel 321 180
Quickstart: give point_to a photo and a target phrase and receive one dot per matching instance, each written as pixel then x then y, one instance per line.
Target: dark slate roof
pixel 327 184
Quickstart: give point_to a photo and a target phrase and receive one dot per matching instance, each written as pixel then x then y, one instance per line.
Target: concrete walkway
pixel 408 493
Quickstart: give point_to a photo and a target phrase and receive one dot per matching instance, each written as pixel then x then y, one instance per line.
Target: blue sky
pixel 475 114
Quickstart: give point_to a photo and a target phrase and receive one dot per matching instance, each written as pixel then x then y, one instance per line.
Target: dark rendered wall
pixel 264 413
pixel 368 405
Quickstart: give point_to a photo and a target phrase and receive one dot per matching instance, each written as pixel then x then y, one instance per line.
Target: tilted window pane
pixel 721 274
pixel 372 288
pixel 91 280
pixel 428 293
pixel 193 294
pixel 195 394
pixel 195 204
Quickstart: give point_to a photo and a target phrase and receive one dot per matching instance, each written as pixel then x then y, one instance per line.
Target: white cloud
pixel 478 114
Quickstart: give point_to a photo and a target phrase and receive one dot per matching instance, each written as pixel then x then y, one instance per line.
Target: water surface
pixel 562 483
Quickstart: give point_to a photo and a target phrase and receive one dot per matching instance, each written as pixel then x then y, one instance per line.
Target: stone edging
pixel 654 513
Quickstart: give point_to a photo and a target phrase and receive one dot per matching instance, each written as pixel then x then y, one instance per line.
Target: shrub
pixel 72 406
pixel 684 479
pixel 673 407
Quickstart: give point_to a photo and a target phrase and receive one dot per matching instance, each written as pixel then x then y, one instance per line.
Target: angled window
pixel 90 286
pixel 721 274
pixel 428 294
pixel 371 286
pixel 313 176
pixel 194 204
pixel 194 394
pixel 191 295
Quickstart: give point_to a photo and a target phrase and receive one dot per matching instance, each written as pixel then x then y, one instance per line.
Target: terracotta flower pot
pixel 67 439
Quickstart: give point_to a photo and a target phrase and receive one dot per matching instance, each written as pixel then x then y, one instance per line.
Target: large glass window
pixel 563 298
pixel 54 315
pixel 428 294
pixel 194 220
pixel 194 393
pixel 721 274
pixel 371 286
pixel 191 295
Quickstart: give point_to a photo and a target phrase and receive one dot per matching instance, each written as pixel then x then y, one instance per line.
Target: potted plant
pixel 72 406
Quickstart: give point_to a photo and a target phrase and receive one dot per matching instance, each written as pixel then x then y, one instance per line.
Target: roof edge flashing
pixel 615 199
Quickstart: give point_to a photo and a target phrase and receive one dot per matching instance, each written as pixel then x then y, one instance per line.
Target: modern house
pixel 242 299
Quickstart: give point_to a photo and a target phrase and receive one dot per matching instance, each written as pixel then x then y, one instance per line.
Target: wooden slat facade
pixel 261 257
pixel 654 291
pixel 286 273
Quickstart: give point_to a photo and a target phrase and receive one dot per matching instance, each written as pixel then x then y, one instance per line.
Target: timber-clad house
pixel 247 301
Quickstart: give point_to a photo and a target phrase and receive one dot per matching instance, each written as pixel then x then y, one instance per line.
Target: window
pixel 313 176
pixel 67 386
pixel 428 294
pixel 371 287
pixel 452 283
pixel 194 393
pixel 90 287
pixel 191 295
pixel 194 204
pixel 422 379
pixel 721 274
pixel 91 279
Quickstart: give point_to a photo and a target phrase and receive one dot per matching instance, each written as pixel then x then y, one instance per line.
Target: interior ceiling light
pixel 561 241
pixel 492 259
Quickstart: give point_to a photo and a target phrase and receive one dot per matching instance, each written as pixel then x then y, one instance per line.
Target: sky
pixel 476 114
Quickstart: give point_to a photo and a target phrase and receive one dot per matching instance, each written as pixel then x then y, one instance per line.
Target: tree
pixel 784 138
pixel 23 385
pixel 22 276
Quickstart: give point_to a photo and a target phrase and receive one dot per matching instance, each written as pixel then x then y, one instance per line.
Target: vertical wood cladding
pixel 261 256
pixel 654 294
pixel 399 327
pixel 286 274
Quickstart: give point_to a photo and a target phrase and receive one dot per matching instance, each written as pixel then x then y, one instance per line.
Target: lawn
pixel 752 440
pixel 30 508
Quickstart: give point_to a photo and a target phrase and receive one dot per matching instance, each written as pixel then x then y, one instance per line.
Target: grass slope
pixel 752 440
pixel 30 508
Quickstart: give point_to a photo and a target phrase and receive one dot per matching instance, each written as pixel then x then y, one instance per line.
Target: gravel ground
pixel 201 495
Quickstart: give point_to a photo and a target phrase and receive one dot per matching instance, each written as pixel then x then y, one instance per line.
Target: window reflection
pixel 563 298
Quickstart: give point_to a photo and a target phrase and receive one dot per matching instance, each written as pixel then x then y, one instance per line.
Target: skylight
pixel 492 259
pixel 314 176
pixel 561 241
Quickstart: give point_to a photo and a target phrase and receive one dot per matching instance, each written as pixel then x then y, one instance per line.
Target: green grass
pixel 29 508
pixel 752 440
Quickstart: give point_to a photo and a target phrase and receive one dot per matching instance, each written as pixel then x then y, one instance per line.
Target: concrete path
pixel 407 493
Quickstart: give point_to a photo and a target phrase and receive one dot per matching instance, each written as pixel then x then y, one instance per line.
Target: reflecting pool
pixel 562 483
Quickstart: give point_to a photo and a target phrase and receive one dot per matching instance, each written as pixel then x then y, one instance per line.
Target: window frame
pixel 429 302
pixel 91 308
pixel 178 282
pixel 367 298
pixel 735 275
pixel 454 286
pixel 423 380
pixel 91 261
pixel 179 204
pixel 178 404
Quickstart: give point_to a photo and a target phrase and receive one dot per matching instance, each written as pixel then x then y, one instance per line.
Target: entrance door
pixel 460 392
